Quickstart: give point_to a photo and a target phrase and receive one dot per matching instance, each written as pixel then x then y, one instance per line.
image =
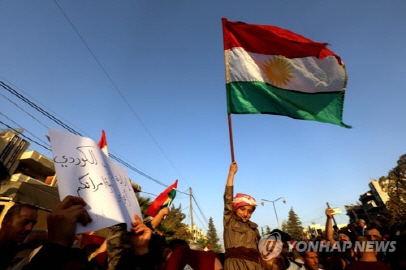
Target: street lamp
pixel 273 202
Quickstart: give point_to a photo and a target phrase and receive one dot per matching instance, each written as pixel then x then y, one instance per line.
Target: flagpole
pixel 230 128
pixel 230 131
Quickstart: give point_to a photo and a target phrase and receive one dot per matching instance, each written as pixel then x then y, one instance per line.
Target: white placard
pixel 84 170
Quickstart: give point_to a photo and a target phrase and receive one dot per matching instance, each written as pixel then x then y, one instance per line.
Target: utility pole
pixel 274 208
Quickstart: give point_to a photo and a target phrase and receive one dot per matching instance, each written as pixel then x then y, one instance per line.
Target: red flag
pixel 103 143
pixel 91 239
pixel 163 200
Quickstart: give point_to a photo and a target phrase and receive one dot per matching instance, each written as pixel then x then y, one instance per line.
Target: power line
pixel 129 106
pixel 314 219
pixel 37 102
pixel 149 193
pixel 117 88
pixel 1 122
pixel 204 225
pixel 25 129
pixel 33 117
pixel 67 127
pixel 136 170
pixel 59 122
pixel 39 109
pixel 200 210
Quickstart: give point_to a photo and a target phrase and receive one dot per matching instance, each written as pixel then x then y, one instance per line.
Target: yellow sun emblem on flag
pixel 278 70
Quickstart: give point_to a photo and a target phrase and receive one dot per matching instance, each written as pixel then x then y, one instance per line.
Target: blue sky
pixel 151 74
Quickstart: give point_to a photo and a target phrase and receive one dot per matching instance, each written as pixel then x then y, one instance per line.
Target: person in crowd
pixel 57 253
pixel 311 260
pixel 374 231
pixel 241 236
pixel 182 255
pixel 99 257
pixel 366 253
pixel 118 240
pixel 342 253
pixel 17 224
pixel 352 232
pixel 397 258
pixel 296 261
pixel 361 226
pixel 155 221
pixel 274 250
pixel 36 238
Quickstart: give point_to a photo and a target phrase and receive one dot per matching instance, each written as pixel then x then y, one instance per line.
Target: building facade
pixel 196 233
pixel 370 204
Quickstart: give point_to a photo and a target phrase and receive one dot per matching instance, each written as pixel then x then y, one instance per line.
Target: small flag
pixel 103 143
pixel 163 200
pixel 270 70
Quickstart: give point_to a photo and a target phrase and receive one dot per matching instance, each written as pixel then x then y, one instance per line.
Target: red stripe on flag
pixel 162 200
pixel 271 40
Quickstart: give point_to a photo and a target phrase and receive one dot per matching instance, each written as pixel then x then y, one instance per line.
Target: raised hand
pixel 140 237
pixel 62 220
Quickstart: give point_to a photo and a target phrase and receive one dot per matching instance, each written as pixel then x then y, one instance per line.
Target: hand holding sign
pixel 84 171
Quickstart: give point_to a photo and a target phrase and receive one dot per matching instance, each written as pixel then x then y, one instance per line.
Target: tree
pixel 293 226
pixel 267 230
pixel 394 215
pixel 212 238
pixel 202 242
pixel 143 202
pixel 173 227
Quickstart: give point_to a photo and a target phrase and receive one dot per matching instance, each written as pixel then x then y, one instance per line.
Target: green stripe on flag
pixel 262 98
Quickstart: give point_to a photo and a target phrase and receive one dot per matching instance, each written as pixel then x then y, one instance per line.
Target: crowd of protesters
pixel 357 246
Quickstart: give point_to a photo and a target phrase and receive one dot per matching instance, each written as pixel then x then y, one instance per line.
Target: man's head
pixel 361 223
pixel 18 223
pixel 373 234
pixel 311 260
pixel 365 248
pixel 342 235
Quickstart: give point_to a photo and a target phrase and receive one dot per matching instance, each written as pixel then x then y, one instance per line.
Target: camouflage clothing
pixel 118 240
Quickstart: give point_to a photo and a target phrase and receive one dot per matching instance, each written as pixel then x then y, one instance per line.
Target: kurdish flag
pixel 270 70
pixel 163 200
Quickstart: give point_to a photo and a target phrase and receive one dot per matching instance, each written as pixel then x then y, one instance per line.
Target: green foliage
pixel 173 227
pixel 143 202
pixel 293 226
pixel 212 238
pixel 202 242
pixel 394 216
